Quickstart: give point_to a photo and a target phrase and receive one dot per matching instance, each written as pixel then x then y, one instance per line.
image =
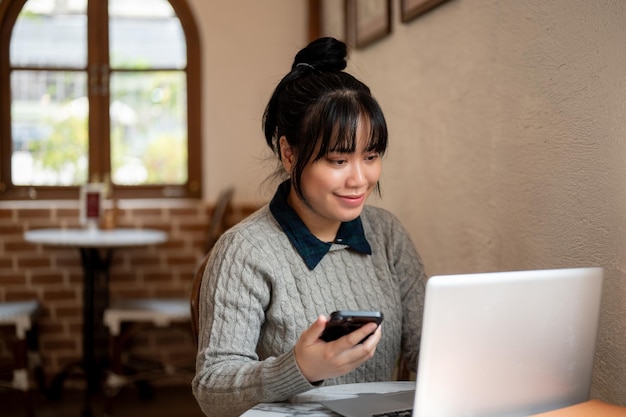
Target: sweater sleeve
pixel 230 377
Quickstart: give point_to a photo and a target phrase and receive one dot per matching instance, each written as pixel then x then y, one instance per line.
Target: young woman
pixel 273 279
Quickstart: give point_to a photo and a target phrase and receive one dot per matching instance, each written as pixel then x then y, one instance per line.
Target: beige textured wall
pixel 247 46
pixel 507 131
pixel 508 142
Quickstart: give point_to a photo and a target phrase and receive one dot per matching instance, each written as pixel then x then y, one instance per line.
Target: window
pixel 99 90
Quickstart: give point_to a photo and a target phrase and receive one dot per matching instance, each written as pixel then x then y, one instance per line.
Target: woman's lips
pixel 353 200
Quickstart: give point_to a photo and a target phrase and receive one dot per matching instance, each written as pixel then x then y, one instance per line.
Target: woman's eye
pixel 371 157
pixel 336 158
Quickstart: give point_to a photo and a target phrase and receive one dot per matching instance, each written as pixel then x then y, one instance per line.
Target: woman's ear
pixel 287 157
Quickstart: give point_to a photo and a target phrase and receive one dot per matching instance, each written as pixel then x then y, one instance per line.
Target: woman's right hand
pixel 320 360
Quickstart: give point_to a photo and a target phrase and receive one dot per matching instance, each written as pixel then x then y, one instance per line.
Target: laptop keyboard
pixel 400 413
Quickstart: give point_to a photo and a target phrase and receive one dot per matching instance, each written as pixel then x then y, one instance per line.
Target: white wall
pixel 247 47
pixel 508 142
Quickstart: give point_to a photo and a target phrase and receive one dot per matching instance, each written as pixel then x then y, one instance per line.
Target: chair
pixel 125 318
pixel 194 298
pixel 18 328
pixel 218 223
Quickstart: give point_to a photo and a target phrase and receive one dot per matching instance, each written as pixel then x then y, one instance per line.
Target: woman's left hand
pixel 320 360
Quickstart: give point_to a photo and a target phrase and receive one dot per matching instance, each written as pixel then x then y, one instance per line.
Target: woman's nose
pixel 357 175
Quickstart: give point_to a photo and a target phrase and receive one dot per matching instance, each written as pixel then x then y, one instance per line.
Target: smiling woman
pixel 317 247
pixel 99 89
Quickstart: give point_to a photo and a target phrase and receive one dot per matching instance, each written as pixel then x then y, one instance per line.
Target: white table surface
pixel 307 403
pixel 95 238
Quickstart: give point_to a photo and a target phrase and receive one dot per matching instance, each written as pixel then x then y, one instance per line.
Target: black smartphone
pixel 343 322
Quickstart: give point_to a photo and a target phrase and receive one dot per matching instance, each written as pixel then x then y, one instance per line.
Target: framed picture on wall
pixel 410 9
pixel 367 21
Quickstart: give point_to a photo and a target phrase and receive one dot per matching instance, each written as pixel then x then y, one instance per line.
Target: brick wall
pixel 54 275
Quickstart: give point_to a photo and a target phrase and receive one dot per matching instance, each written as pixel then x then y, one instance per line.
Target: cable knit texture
pixel 258 296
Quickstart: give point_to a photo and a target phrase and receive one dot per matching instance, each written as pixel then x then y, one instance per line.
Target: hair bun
pixel 323 54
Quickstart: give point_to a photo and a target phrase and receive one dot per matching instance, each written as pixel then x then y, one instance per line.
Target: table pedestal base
pixel 91 368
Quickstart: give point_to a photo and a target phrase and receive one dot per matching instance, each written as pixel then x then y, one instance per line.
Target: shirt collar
pixel 310 248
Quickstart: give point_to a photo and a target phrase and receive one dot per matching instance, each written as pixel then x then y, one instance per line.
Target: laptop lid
pixel 507 343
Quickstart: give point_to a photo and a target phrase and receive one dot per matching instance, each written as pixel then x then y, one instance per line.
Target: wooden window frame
pixel 100 145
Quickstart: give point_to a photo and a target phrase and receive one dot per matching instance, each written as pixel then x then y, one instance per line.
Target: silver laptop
pixel 502 344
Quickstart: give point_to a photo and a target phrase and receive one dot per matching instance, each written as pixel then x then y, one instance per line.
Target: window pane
pixel 148 128
pixel 50 34
pixel 49 112
pixel 145 34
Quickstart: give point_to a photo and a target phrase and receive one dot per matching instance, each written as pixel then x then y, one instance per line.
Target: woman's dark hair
pixel 317 107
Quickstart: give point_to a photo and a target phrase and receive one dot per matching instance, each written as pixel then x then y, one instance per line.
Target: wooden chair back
pixel 218 224
pixel 194 298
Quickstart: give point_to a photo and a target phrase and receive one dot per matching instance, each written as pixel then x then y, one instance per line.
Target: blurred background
pixel 506 124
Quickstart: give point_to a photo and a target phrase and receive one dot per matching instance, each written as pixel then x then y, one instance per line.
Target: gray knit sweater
pixel 258 296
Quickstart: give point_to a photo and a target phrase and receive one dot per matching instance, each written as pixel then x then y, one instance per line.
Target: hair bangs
pixel 340 119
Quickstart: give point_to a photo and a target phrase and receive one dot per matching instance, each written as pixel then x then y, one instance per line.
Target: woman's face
pixel 335 186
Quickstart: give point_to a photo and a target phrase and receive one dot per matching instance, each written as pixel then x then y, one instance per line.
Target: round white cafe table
pixel 95 238
pixel 308 403
pixel 96 251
